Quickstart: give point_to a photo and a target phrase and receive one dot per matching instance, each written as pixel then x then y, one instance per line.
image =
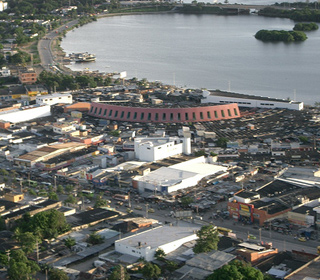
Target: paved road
pixel 280 241
pixel 46 54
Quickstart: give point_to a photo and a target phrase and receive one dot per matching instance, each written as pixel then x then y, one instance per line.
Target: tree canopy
pixel 151 271
pixel 20 267
pixel 280 35
pixel 208 238
pixel 46 224
pixel 236 270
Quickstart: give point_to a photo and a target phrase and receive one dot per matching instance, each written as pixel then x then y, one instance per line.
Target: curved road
pixel 44 46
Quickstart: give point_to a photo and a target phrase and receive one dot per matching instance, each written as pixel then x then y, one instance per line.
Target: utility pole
pixel 147 210
pixel 260 234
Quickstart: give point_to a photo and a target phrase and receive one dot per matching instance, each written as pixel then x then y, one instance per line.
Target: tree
pixel 60 189
pixel 20 268
pixel 151 271
pixel 236 270
pixel 159 254
pixel 200 153
pixel 69 242
pixel 28 241
pixel 186 200
pixel 95 239
pixel 100 202
pixel 53 196
pixel 71 199
pixel 119 273
pixel 222 142
pixel 208 239
pixel 57 274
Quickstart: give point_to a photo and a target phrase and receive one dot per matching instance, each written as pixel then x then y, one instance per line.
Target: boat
pixel 83 57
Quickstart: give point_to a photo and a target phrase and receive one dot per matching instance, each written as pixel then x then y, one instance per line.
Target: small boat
pixel 83 57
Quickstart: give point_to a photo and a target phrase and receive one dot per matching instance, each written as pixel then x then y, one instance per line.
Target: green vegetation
pixel 69 242
pixel 186 200
pixel 306 26
pixel 236 270
pixel 57 274
pixel 222 142
pixel 46 224
pixel 306 14
pixel 119 272
pixel 151 271
pixel 200 153
pixel 208 239
pixel 280 35
pixel 95 239
pixel 201 8
pixel 20 267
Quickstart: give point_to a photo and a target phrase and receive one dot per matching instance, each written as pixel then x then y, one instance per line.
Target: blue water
pixel 203 51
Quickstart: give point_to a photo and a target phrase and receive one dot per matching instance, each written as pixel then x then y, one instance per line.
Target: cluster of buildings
pixel 141 141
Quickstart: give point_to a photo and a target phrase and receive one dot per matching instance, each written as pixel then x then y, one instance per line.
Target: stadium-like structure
pixel 164 114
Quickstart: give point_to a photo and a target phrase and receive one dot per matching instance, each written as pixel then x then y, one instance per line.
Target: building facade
pixel 164 115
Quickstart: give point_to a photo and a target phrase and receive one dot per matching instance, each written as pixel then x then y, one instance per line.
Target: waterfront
pixel 203 51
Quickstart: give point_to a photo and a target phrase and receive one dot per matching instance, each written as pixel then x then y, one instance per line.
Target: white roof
pixel 159 236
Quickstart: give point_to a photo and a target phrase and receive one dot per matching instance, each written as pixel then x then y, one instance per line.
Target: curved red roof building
pixel 164 115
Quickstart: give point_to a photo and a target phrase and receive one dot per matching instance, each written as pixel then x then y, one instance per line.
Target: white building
pixel 178 176
pixel 55 98
pixel 5 72
pixel 26 113
pixel 153 149
pixel 251 101
pixel 3 6
pixel 62 128
pixel 145 244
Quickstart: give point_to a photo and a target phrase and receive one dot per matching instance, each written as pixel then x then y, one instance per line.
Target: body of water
pixel 203 51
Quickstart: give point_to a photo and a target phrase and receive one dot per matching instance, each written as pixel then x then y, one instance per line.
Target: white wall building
pixel 3 6
pixel 153 149
pixel 251 101
pixel 26 113
pixel 145 244
pixel 62 128
pixel 178 176
pixel 55 98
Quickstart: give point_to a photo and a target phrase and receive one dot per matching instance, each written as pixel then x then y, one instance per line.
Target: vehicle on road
pixel 302 239
pixel 138 207
pixel 151 210
pixel 251 236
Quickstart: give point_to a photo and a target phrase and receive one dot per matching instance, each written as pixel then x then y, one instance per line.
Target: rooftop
pixel 159 236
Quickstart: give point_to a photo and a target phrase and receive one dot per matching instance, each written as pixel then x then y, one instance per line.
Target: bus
pixel 223 230
pixel 121 197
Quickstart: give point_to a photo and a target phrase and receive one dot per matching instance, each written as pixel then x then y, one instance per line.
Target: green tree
pixel 200 153
pixel 304 139
pixel 222 142
pixel 94 238
pixel 69 242
pixel 28 241
pixel 186 200
pixel 236 270
pixel 20 268
pixel 57 274
pixel 60 189
pixel 53 196
pixel 71 199
pixel 119 273
pixel 151 271
pixel 159 254
pixel 100 202
pixel 208 239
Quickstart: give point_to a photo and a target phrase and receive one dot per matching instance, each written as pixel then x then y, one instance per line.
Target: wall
pixel 164 115
pixel 27 114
